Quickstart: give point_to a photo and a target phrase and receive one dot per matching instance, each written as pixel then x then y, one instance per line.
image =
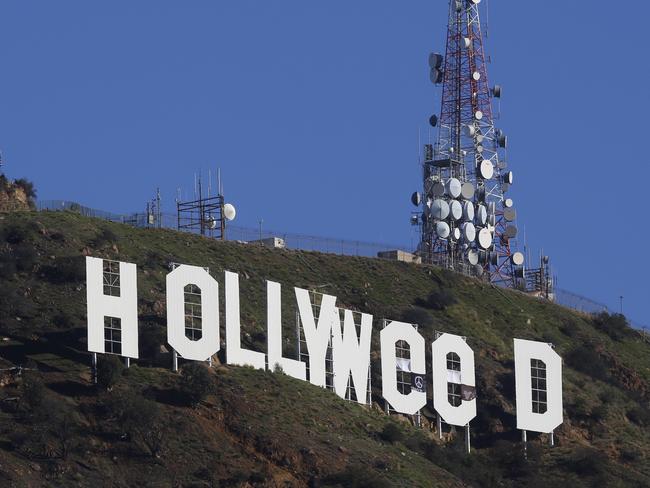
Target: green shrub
pixel 615 326
pixel 437 300
pixel 196 382
pixel 28 187
pixel 109 371
pixel 417 315
pixel 392 433
pixel 587 361
pixel 65 270
pixel 104 237
pixel 141 419
pixel 639 416
pixel 33 392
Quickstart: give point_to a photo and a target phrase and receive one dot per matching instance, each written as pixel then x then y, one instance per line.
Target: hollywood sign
pixel 113 328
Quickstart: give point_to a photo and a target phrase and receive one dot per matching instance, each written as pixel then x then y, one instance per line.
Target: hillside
pixel 57 429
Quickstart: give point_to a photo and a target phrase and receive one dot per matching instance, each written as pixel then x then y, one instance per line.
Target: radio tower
pixel 467 222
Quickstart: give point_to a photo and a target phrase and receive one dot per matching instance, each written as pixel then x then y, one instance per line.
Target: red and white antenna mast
pixel 466 219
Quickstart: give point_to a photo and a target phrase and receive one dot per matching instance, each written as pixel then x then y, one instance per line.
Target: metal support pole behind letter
pixel 94 368
pixel 468 445
pixel 525 442
pixel 174 360
pixel 127 362
pixel 551 439
pixel 439 426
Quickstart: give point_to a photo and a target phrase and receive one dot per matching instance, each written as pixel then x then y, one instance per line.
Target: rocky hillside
pixel 16 195
pixel 230 426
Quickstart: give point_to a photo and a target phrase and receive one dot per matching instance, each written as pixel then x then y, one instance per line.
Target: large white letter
pixel 318 336
pixel 294 368
pixel 112 296
pixel 388 337
pixel 538 384
pixel 235 354
pixel 200 312
pixel 351 354
pixel 464 374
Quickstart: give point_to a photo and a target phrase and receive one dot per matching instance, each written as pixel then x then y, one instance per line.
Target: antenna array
pixel 467 223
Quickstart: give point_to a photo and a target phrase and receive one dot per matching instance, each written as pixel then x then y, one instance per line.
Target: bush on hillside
pixel 109 371
pixel 437 300
pixel 196 382
pixel 28 187
pixel 392 433
pixel 615 326
pixel 586 360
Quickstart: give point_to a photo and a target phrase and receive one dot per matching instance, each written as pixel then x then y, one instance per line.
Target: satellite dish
pixel 416 199
pixel 467 42
pixel 510 232
pixel 520 272
pixel 455 210
pixel 435 76
pixel 508 178
pixel 502 165
pixel 479 148
pixel 456 234
pixel 433 120
pixel 435 60
pixel 478 115
pixel 493 258
pixel 475 2
pixel 442 229
pixel 440 209
pixel 479 138
pixel 484 238
pixel 496 91
pixel 472 257
pixel 229 211
pixel 510 214
pixel 481 214
pixel 211 222
pixel 467 191
pixel 478 270
pixel 469 231
pixel 502 140
pixel 476 76
pixel 453 187
pixel 517 259
pixel 438 189
pixel 468 211
pixel 486 169
pixel 480 193
pixel 470 130
pixel 508 203
pixel 415 220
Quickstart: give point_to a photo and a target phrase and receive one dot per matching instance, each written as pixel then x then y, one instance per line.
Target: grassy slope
pixel 251 429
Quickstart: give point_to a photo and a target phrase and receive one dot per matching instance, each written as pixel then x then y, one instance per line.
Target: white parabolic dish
pixel 440 209
pixel 469 232
pixel 486 169
pixel 442 229
pixel 455 209
pixel 453 187
pixel 517 259
pixel 484 238
pixel 468 211
pixel 472 257
pixel 229 211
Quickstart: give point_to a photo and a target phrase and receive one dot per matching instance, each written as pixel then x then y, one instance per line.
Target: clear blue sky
pixel 312 110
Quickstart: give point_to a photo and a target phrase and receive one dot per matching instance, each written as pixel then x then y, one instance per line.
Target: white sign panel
pixel 399 331
pixel 292 367
pixel 351 355
pixel 208 344
pixel 440 348
pixel 112 319
pixel 538 386
pixel 235 354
